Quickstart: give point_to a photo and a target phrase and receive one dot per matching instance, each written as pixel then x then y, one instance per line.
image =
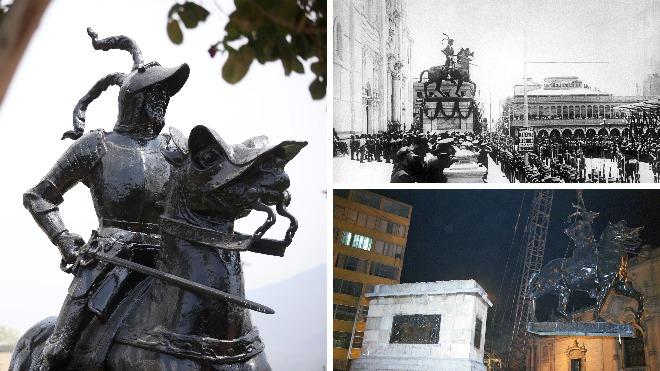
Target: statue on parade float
pixel 597 266
pixel 159 285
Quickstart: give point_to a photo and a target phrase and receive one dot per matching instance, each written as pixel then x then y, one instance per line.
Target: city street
pixel 347 171
pixel 351 171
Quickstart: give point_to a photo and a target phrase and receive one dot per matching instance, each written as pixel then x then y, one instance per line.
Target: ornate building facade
pixel 641 353
pixel 565 106
pixel 372 73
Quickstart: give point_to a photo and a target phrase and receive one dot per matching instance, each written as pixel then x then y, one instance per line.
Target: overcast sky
pixel 624 33
pixel 60 66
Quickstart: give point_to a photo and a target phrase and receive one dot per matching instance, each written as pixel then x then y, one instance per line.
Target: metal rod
pixel 181 282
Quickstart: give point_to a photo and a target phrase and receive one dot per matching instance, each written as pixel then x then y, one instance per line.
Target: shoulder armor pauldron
pixel 81 157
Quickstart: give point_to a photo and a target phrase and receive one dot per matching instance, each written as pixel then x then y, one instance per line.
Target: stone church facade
pixel 372 70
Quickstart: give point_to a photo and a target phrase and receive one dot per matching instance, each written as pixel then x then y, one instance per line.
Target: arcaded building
pixel 566 106
pixel 609 353
pixel 370 232
pixel 372 73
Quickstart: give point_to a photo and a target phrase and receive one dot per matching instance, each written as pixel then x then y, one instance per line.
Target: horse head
pixel 216 183
pixel 620 238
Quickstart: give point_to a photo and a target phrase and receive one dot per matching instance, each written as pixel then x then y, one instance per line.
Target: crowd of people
pixel 422 157
pixel 417 157
pixel 560 159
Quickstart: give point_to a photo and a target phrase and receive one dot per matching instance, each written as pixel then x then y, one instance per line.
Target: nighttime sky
pixel 463 234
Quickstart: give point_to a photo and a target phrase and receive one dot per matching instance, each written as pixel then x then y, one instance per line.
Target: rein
pixel 205 236
pixel 236 241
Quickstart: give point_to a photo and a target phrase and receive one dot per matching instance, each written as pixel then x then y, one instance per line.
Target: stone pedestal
pixel 466 169
pixel 425 326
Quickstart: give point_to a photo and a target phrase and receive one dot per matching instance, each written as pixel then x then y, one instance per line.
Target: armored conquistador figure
pixel 448 51
pixel 159 285
pixel 126 173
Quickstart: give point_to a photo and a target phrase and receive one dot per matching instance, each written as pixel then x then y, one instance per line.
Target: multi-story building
pixel 565 106
pixel 372 71
pixel 369 242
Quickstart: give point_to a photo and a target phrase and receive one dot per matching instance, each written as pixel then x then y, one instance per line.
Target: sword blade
pixel 182 282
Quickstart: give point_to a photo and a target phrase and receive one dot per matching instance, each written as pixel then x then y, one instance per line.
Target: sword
pixel 178 281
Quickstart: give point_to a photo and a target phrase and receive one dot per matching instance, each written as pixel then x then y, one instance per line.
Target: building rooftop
pixel 580 329
pixel 560 86
pixel 565 92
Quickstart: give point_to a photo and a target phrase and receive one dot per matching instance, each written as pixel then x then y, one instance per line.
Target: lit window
pixel 346 238
pixel 362 242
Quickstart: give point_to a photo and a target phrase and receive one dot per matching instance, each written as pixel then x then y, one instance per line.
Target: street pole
pixel 490 109
pixel 525 103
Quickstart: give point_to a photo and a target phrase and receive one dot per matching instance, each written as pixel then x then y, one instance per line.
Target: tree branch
pixel 281 22
pixel 15 33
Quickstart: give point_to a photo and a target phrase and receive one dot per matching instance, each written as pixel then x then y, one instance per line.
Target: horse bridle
pixel 237 241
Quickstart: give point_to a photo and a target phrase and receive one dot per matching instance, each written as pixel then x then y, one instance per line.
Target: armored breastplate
pixel 130 183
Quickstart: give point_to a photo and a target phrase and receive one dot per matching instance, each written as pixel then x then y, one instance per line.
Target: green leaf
pixel 191 14
pixel 297 66
pixel 246 18
pixel 174 31
pixel 287 57
pixel 197 9
pixel 189 19
pixel 237 64
pixel 173 10
pixel 317 89
pixel 286 9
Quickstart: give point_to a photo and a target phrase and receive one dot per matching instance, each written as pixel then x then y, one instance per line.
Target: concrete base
pixel 465 169
pixel 465 173
pixel 418 364
pixel 599 329
pixel 457 305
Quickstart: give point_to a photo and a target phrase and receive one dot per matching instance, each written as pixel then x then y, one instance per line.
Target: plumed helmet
pixel 141 77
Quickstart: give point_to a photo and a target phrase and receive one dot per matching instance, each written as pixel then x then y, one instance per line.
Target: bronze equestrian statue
pixel 456 75
pixel 166 207
pixel 597 267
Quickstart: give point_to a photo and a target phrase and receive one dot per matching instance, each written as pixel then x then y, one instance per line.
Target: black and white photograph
pixel 496 91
